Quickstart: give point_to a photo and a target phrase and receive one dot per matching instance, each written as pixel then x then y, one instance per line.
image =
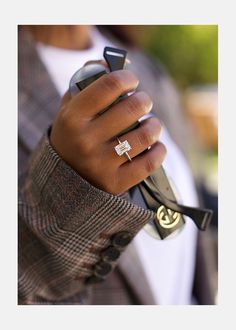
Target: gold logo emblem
pixel 167 218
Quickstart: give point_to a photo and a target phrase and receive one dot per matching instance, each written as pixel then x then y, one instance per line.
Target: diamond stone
pixel 122 148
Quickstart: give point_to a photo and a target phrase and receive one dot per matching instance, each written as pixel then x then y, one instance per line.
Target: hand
pixel 86 140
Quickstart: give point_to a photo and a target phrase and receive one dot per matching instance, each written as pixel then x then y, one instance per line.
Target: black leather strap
pixel 154 197
pixel 115 58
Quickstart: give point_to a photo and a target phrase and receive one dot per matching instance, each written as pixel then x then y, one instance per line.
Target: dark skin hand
pixel 86 141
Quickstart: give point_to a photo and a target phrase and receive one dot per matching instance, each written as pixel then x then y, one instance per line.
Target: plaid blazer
pixel 64 222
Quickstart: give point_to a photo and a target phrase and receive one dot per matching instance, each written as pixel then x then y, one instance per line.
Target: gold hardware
pixel 167 218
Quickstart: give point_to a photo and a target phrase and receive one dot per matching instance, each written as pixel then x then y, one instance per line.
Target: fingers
pixel 102 92
pixel 132 173
pixel 103 62
pixel 121 115
pixel 143 137
pixel 139 139
pixel 86 141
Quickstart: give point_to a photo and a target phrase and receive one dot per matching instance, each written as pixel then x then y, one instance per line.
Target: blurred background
pixel 189 53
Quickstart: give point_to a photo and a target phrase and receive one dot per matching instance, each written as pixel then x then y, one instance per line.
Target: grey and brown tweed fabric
pixel 64 222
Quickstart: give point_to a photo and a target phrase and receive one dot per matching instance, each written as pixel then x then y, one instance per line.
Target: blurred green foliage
pixel 189 52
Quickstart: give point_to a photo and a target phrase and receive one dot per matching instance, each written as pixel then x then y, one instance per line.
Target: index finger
pixel 102 92
pixel 103 62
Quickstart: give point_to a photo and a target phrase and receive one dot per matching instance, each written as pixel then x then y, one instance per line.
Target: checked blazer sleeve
pixel 64 224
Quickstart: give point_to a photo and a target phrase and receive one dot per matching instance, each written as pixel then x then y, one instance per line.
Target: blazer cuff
pixel 66 193
pixel 75 221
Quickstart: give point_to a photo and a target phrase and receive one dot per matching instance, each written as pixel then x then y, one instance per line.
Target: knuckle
pixel 130 76
pixel 147 102
pixel 152 162
pixel 112 81
pixel 150 165
pixel 120 81
pixel 134 106
pixel 145 137
pixel 139 104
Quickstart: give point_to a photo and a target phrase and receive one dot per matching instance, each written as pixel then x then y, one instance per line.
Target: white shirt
pixel 168 264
